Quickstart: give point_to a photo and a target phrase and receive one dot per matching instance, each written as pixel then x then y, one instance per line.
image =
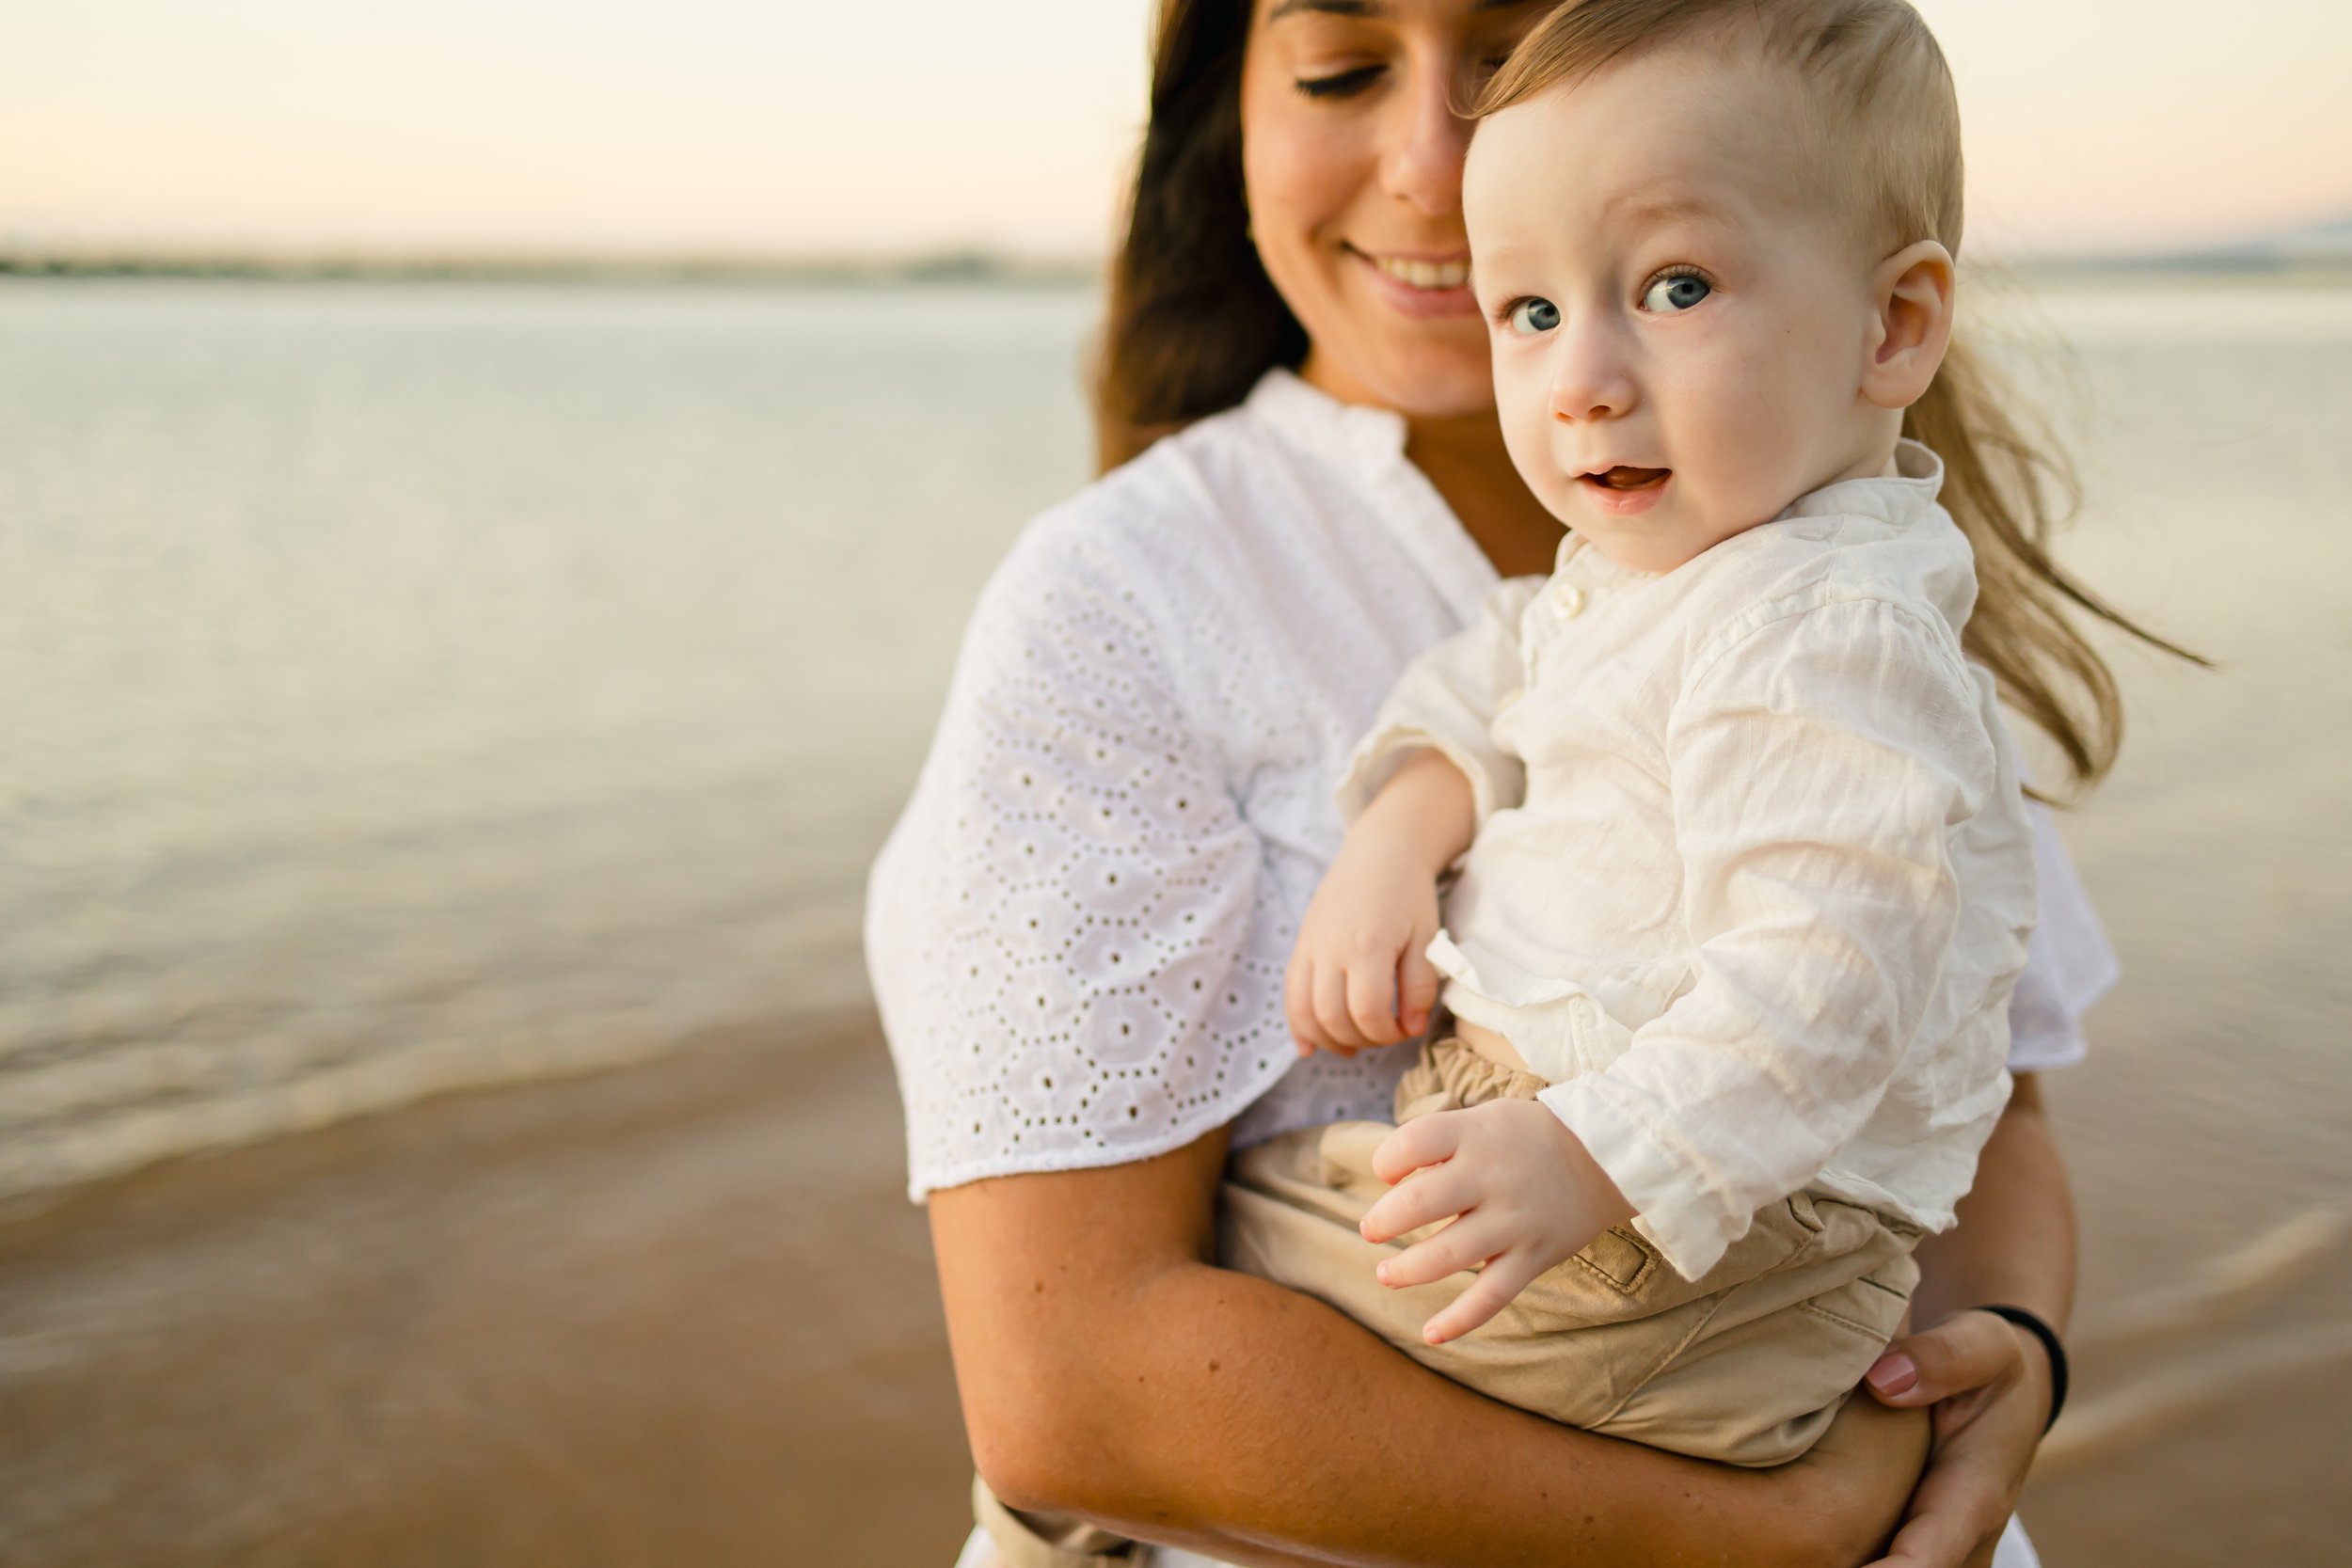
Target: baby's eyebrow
pixel 1655 207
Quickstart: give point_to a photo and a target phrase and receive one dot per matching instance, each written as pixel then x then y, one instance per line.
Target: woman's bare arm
pixel 2015 1239
pixel 1988 1379
pixel 1110 1372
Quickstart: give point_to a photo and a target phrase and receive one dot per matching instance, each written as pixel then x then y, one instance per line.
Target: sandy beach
pixel 682 1313
pixel 676 1314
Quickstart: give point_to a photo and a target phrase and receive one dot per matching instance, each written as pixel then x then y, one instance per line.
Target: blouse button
pixel 1568 599
pixel 1510 697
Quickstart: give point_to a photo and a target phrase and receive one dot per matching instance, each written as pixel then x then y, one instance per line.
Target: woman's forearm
pixel 2015 1241
pixel 1108 1371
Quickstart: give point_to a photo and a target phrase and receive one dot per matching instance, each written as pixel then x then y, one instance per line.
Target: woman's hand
pixel 1989 1385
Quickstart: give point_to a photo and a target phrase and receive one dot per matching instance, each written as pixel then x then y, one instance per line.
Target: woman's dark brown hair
pixel 1193 321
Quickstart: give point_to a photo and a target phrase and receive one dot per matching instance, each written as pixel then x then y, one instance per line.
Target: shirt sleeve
pixel 2069 966
pixel 1816 768
pixel 1061 929
pixel 1447 700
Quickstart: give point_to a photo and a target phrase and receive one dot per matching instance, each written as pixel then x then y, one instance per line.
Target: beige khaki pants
pixel 1747 1365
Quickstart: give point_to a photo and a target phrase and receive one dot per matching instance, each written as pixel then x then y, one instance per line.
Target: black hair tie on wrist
pixel 2048 1335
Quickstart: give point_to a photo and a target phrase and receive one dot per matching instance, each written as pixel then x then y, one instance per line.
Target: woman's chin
pixel 1419 380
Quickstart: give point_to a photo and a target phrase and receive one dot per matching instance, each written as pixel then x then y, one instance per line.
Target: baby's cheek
pixel 1527 436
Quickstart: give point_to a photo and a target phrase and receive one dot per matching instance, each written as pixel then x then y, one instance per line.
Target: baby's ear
pixel 1912 292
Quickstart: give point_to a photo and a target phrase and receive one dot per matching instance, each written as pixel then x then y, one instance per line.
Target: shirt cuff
pixel 1380 754
pixel 1670 1206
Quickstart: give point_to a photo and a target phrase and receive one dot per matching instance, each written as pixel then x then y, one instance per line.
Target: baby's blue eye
pixel 1530 317
pixel 1678 291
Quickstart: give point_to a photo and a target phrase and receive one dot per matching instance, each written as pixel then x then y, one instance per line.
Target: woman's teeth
pixel 1425 275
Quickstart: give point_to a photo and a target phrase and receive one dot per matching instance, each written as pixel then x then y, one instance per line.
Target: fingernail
pixel 1894 1375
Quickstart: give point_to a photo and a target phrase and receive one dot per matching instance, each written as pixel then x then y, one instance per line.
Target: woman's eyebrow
pixel 1371 7
pixel 1333 8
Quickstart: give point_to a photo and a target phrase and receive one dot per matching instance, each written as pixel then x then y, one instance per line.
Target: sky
pixel 838 127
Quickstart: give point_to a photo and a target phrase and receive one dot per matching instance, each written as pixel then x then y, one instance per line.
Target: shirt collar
pixel 1897 502
pixel 1580 562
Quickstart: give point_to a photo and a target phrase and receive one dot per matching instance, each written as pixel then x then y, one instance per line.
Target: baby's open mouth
pixel 1624 478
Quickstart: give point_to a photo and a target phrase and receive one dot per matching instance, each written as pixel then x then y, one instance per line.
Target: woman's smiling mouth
pixel 1420 285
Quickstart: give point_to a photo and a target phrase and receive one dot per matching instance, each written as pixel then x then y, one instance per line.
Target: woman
pixel 1078 930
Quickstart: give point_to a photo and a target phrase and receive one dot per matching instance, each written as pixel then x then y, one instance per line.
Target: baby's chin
pixel 1658 540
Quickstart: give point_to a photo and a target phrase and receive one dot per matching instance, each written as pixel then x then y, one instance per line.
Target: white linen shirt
pixel 1753 879
pixel 1077 930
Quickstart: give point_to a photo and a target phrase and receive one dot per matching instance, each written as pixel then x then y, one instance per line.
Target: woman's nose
pixel 1427 142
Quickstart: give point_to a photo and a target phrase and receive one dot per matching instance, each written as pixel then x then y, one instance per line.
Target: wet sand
pixel 676 1314
pixel 681 1313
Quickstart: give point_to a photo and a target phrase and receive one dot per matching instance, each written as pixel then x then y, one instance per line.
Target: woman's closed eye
pixel 1340 84
pixel 1674 290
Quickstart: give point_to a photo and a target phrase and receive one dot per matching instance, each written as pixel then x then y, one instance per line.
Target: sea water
pixel 408 686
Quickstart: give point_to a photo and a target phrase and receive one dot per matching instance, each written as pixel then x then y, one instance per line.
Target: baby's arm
pixel 1358 974
pixel 1424 778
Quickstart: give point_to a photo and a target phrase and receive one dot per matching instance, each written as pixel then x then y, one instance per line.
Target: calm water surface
pixel 404 687
pixel 410 686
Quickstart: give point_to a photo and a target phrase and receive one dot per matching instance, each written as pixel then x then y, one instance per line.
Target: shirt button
pixel 1510 697
pixel 1568 599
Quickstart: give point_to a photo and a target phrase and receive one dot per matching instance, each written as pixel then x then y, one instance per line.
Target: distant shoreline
pixel 975 269
pixel 959 268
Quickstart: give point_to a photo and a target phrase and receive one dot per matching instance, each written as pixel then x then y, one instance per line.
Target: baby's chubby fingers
pixel 1298 1009
pixel 1417 984
pixel 1464 1245
pixel 1372 996
pixel 1423 1141
pixel 1339 1029
pixel 1435 1194
pixel 1503 1278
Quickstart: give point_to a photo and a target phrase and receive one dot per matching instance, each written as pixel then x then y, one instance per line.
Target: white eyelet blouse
pixel 1078 929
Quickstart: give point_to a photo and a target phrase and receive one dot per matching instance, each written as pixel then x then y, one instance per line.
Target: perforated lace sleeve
pixel 1062 929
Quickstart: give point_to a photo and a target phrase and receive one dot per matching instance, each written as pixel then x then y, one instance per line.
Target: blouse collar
pixel 1368 445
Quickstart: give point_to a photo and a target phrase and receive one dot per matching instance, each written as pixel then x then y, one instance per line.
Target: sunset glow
pixel 723 127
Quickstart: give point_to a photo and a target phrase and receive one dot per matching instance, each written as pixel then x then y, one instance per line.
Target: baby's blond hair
pixel 1882 122
pixel 1879 113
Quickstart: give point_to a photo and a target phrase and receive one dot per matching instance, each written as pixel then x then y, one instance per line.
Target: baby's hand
pixel 1357 976
pixel 1526 1195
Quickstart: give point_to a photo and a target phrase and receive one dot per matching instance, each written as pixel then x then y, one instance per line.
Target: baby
pixel 1744 874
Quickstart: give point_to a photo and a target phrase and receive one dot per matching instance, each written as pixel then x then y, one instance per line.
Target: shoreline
pixel 1011 273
